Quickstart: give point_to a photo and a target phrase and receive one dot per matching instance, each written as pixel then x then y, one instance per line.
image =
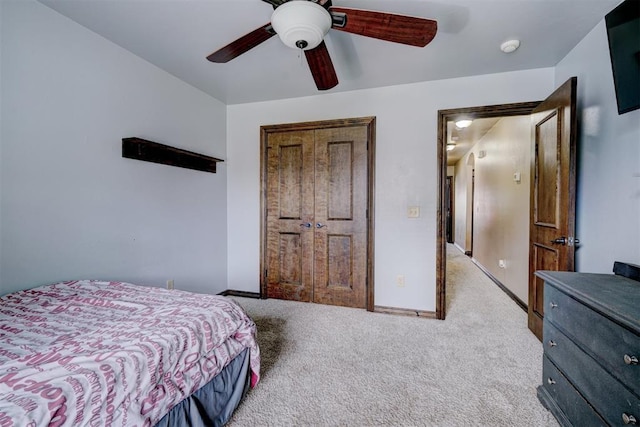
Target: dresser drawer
pixel 566 399
pixel 602 338
pixel 605 393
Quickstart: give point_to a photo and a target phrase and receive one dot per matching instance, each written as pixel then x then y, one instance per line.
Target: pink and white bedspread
pixel 112 353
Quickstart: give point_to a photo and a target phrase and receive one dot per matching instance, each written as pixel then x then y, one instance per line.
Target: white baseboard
pixel 458 247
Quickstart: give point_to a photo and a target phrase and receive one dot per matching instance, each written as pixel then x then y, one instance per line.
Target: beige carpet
pixel 333 366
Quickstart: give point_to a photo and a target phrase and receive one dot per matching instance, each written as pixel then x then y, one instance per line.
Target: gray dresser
pixel 591 338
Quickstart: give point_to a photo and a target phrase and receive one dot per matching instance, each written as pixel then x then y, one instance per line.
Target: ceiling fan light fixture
pixel 301 24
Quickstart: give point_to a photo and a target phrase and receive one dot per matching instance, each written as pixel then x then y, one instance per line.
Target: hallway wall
pixel 501 205
pixel 462 202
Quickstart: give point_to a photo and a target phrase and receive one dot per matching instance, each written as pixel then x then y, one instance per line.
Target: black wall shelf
pixel 149 151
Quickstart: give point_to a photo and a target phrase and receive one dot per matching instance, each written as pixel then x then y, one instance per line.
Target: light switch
pixel 516 177
pixel 413 212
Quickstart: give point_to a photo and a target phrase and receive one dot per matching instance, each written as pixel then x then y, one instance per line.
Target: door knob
pixel 320 225
pixel 630 360
pixel 306 225
pixel 629 419
pixel 571 241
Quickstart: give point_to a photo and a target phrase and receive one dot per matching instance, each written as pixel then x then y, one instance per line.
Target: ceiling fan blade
pixel 321 67
pixel 243 44
pixel 391 27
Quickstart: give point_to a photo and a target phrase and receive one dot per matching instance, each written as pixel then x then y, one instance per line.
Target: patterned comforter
pixel 112 353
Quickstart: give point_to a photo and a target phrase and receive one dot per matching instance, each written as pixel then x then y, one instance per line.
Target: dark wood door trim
pixel 369 122
pixel 469 251
pixel 444 116
pixel 449 195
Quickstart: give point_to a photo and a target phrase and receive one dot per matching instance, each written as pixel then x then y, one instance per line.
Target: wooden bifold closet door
pixel 316 190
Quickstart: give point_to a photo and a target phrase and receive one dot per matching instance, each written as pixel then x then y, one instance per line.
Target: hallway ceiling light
pixel 450 146
pixel 464 123
pixel 510 46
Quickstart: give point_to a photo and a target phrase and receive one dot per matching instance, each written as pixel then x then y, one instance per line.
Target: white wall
pixel 501 215
pixel 608 200
pixel 71 206
pixel 406 171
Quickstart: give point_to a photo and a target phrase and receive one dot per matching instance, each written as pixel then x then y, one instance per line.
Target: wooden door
pixel 340 262
pixel 317 241
pixel 553 184
pixel 290 215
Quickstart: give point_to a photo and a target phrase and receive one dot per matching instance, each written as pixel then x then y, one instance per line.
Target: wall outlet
pixel 170 284
pixel 400 281
pixel 413 212
pixel 502 263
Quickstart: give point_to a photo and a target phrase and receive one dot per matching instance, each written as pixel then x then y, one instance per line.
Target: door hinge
pixel 266 272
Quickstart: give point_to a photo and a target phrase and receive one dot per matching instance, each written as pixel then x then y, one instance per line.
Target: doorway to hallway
pixel 466 206
pixel 553 139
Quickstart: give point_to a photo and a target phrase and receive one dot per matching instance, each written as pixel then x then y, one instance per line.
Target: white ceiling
pixel 177 35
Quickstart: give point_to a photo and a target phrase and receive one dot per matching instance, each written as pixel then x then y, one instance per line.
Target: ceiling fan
pixel 302 24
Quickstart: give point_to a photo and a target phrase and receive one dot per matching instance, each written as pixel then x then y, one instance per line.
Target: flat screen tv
pixel 623 32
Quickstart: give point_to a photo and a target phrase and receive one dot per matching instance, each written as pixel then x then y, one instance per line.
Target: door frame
pixel 444 116
pixel 471 199
pixel 450 208
pixel 370 123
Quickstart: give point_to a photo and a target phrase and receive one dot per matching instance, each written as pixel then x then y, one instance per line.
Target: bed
pixel 117 354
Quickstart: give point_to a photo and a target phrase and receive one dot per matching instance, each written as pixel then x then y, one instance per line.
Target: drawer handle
pixel 552 343
pixel 551 381
pixel 630 360
pixel 553 304
pixel 629 419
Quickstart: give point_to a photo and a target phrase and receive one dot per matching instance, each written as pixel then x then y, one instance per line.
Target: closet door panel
pixel 340 263
pixel 290 199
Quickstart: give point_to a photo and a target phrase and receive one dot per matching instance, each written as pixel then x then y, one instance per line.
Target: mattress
pixel 113 353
